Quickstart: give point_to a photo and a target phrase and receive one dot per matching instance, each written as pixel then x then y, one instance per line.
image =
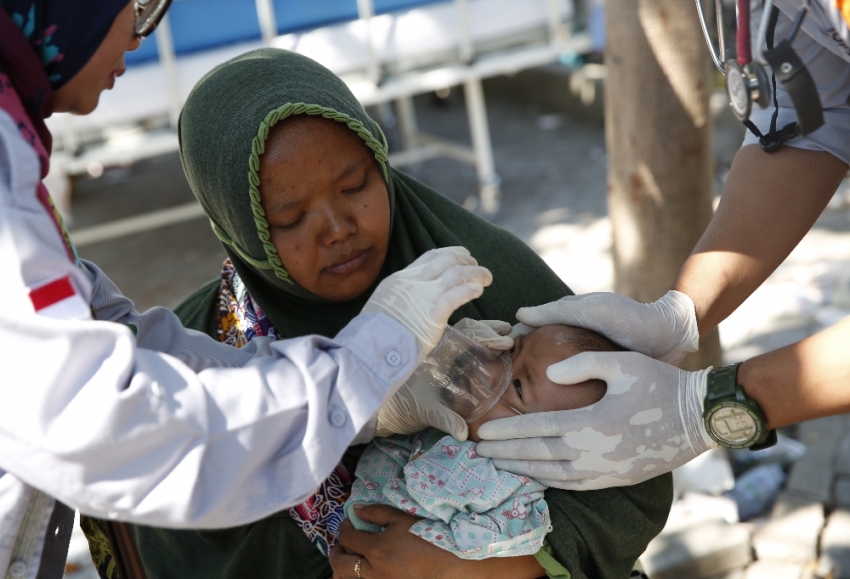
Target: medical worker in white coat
pixel 131 417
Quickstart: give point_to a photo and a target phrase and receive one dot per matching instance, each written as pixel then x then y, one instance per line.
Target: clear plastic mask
pixel 466 376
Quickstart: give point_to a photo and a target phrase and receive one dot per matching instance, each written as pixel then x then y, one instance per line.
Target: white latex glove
pixel 665 329
pixel 648 423
pixel 410 411
pixel 520 330
pixel 492 334
pixel 423 295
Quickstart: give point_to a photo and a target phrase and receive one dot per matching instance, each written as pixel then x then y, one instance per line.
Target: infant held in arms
pixel 468 506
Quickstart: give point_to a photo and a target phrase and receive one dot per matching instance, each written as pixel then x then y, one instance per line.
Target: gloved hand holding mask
pixel 421 297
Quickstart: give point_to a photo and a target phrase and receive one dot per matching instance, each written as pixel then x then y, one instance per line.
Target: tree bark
pixel 659 135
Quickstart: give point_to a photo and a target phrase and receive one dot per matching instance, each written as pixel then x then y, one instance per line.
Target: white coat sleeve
pixel 160 329
pixel 831 74
pixel 119 431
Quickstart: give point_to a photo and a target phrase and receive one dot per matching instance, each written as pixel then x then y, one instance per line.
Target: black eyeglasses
pixel 148 15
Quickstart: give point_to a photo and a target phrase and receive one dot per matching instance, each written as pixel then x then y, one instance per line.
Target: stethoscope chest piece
pixel 746 85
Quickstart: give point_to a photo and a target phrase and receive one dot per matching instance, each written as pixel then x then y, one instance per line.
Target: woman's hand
pixel 399 554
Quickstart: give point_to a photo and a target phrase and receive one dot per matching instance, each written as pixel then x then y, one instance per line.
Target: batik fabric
pixel 240 320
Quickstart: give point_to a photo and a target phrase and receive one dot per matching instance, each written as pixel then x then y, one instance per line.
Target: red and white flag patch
pixel 59 299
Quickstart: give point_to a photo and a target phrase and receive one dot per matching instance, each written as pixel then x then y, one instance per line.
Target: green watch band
pixel 732 418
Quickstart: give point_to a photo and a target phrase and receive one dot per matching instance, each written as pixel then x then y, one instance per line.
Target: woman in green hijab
pixel 293 175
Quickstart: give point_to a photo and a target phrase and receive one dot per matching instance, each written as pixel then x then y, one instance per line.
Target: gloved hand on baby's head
pixel 530 390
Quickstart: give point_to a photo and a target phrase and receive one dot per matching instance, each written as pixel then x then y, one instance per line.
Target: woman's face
pixel 326 204
pixel 81 94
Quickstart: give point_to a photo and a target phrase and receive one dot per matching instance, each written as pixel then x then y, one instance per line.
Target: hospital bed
pixel 387 51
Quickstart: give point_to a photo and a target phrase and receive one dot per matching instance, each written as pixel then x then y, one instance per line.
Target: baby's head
pixel 531 390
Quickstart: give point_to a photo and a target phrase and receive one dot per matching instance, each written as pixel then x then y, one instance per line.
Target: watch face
pixel 733 425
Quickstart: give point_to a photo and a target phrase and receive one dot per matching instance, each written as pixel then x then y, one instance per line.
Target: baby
pixel 468 506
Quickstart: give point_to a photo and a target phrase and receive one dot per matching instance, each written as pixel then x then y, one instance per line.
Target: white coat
pixel 166 427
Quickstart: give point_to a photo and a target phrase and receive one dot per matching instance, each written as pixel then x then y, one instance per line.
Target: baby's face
pixel 530 389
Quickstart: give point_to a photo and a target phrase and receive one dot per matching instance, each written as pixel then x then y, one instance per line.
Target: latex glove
pixel 665 329
pixel 423 295
pixel 492 334
pixel 648 423
pixel 520 330
pixel 410 411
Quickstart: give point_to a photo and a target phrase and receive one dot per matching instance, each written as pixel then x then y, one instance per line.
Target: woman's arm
pixel 396 553
pixel 769 203
pixel 596 534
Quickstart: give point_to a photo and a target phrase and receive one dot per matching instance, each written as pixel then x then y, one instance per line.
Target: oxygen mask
pixel 465 376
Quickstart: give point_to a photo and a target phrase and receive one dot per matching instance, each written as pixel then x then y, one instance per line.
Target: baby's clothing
pixel 469 507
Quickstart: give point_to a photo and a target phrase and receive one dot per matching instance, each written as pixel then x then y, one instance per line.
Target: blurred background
pixel 502 106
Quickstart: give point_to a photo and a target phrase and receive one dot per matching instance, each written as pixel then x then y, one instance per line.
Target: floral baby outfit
pixel 468 506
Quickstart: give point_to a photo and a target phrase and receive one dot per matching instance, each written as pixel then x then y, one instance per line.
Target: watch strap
pixel 721 383
pixel 771 440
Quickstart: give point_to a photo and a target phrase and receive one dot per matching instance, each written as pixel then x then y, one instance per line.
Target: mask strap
pixel 509 406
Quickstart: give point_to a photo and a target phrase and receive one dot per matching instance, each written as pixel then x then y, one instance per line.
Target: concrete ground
pixel 550 154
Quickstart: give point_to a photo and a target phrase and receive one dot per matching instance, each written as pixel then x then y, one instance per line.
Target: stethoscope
pixel 747 80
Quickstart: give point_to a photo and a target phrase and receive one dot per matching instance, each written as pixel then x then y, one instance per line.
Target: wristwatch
pixel 733 419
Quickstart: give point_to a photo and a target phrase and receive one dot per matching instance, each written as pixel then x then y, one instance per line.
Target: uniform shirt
pixel 822 44
pixel 166 427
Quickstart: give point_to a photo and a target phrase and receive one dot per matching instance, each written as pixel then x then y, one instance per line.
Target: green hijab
pixel 596 534
pixel 223 129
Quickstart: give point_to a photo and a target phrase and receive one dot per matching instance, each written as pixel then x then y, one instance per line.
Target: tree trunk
pixel 660 156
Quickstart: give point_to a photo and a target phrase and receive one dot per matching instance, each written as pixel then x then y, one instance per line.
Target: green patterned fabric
pixel 99 548
pixel 597 534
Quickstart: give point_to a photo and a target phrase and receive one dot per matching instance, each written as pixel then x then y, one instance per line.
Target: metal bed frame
pixel 380 82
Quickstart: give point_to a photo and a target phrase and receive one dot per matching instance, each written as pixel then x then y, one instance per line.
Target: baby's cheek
pixel 595 390
pixel 568 397
pixel 499 410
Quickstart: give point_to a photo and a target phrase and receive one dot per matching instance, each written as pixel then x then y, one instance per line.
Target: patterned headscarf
pixel 43 44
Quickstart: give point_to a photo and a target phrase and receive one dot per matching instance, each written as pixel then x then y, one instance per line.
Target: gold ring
pixel 357 567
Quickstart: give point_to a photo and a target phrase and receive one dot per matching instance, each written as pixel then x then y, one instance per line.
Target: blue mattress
pixel 198 25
